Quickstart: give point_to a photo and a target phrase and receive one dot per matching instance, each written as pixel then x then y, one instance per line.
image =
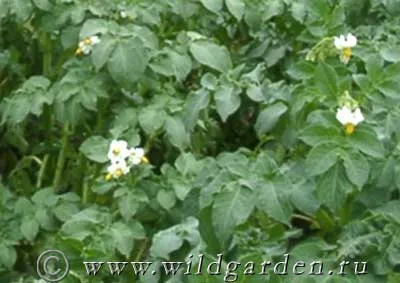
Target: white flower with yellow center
pixel 117 169
pixel 136 156
pixel 345 44
pixel 349 119
pixel 86 45
pixel 118 150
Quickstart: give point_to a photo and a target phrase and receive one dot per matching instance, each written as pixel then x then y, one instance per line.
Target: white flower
pixel 86 45
pixel 345 44
pixel 117 169
pixel 349 118
pixel 118 150
pixel 136 156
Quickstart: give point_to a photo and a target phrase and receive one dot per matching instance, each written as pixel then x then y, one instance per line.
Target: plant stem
pixel 85 192
pixel 142 249
pixel 41 171
pixel 61 157
pixel 47 58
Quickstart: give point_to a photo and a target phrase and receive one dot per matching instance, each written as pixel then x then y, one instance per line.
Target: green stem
pixel 61 157
pixel 85 192
pixel 47 55
pixel 41 171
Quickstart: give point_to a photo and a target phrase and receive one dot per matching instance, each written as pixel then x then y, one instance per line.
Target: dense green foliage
pixel 234 103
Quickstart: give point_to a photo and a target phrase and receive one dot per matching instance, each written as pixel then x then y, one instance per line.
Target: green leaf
pixel 176 133
pixel 95 148
pixel 332 188
pixel 211 55
pixel 357 168
pixel 128 61
pixel 236 8
pixel 64 211
pixel 152 119
pixel 123 238
pixel 390 88
pixel 128 205
pixel 367 143
pixel 268 118
pixel 274 200
pixel 8 256
pixel 321 157
pixel 255 93
pixel 101 52
pixel 316 134
pixel 390 54
pixel 196 102
pixel 171 239
pixel 166 199
pixel 227 100
pixel 171 63
pixel 44 5
pixel 30 98
pixel 327 79
pixel 30 228
pixel 212 5
pixel 93 27
pixel 230 209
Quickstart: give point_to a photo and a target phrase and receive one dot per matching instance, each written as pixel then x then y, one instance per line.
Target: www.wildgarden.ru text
pixel 229 269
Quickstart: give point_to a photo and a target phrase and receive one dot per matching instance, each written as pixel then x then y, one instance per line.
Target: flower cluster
pixel 86 45
pixel 123 159
pixel 344 44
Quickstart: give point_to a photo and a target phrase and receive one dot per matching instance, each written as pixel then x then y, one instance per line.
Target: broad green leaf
pixel 327 79
pixel 227 100
pixel 255 93
pixel 102 52
pixel 44 5
pixel 176 132
pixel 123 238
pixel 230 209
pixel 171 239
pixel 236 8
pixel 357 168
pixel 128 205
pixel 316 134
pixel 211 55
pixel 321 157
pixel 171 63
pixel 274 200
pixel 212 5
pixel 30 228
pixel 333 187
pixel 391 54
pixel 166 199
pixel 367 143
pixel 196 102
pixel 93 27
pixel 152 119
pixel 95 148
pixel 65 210
pixel 390 88
pixel 8 256
pixel 268 118
pixel 128 61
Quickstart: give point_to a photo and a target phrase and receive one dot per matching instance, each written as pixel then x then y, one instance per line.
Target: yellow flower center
pixel 119 172
pixel 349 128
pixel 145 160
pixel 116 151
pixel 78 51
pixel 108 177
pixel 347 52
pixel 87 41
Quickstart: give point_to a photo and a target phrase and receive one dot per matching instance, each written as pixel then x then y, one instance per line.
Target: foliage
pixel 234 103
